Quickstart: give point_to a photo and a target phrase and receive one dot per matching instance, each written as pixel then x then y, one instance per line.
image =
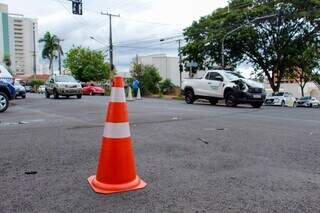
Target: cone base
pixel 115 188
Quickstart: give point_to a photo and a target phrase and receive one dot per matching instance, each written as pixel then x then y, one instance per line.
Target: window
pixel 214 76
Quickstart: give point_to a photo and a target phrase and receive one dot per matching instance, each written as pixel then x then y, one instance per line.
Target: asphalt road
pixel 194 158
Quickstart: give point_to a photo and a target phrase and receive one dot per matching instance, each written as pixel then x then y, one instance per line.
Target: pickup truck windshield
pixel 231 76
pixel 65 79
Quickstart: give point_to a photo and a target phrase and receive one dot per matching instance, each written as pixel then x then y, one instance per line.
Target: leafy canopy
pixel 86 64
pixel 271 44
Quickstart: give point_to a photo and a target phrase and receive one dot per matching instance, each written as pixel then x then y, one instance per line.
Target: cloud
pixel 140 20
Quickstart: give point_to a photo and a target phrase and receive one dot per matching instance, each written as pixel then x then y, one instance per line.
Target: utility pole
pixel 110 39
pixel 180 62
pixel 34 52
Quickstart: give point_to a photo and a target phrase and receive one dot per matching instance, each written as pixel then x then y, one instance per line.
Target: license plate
pixel 256 96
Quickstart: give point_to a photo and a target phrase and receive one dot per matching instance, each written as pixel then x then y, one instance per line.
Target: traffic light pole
pixel 110 39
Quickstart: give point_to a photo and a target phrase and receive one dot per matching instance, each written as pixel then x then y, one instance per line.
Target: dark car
pixel 7 93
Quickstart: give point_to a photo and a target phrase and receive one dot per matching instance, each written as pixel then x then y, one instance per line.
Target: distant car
pixel 20 90
pixel 7 93
pixel 62 85
pixel 308 101
pixel 281 99
pixel 91 89
pixel 28 88
pixel 41 89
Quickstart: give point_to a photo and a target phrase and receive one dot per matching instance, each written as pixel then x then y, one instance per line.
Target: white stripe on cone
pixel 117 94
pixel 116 130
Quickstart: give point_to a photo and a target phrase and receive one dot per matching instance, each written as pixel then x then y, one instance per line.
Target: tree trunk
pixel 50 66
pixel 302 92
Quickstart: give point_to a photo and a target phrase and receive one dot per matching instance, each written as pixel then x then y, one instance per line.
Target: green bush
pixel 35 82
pixel 166 87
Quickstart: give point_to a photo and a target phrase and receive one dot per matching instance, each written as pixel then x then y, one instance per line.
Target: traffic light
pixel 77 7
pixel 180 67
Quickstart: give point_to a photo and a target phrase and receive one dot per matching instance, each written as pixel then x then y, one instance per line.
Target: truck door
pixel 214 85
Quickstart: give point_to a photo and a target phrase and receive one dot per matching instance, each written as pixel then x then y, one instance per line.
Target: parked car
pixel 28 88
pixel 281 99
pixel 308 101
pixel 62 85
pixel 41 89
pixel 92 89
pixel 20 90
pixel 7 93
pixel 227 85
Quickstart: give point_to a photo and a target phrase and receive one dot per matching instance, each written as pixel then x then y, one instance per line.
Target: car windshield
pixel 65 78
pixel 305 98
pixel 232 76
pixel 278 94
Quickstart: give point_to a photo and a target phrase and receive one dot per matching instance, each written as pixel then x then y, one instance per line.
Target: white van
pixel 5 75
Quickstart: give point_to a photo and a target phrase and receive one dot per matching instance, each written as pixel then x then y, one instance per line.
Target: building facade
pixel 168 66
pixel 19 41
pixel 4 32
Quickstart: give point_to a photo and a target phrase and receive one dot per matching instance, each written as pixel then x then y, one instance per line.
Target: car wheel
pixel 230 100
pixel 55 94
pixel 256 105
pixel 47 94
pixel 213 101
pixel 102 94
pixel 4 102
pixel 189 97
pixel 23 96
pixel 283 104
pixel 79 96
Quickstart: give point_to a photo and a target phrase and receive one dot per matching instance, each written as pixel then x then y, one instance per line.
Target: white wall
pixel 168 66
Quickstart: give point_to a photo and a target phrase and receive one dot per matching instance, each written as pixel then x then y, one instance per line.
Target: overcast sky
pixel 138 30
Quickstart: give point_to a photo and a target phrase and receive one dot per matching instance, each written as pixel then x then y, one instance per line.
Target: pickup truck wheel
pixel 213 101
pixel 4 102
pixel 283 104
pixel 79 96
pixel 189 97
pixel 230 100
pixel 55 94
pixel 256 105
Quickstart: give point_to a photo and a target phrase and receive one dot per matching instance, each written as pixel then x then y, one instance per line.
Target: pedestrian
pixel 135 87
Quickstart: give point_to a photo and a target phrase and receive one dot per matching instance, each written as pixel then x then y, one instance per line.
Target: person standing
pixel 135 87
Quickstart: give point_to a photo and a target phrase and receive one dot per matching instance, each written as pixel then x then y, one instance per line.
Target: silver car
pixel 62 85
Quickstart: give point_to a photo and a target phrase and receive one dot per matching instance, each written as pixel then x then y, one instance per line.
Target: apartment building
pixel 19 41
pixel 4 32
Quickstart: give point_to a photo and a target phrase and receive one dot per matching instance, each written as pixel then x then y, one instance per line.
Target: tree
pixel 51 48
pixel 147 75
pixel 7 62
pixel 265 33
pixel 305 65
pixel 86 64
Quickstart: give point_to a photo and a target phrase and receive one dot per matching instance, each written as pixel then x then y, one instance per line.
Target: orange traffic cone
pixel 116 167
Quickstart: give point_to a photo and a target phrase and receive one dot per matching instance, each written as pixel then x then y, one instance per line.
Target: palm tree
pixel 51 48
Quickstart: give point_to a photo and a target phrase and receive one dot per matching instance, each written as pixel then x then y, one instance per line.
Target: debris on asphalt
pixel 30 172
pixel 203 140
pixel 23 122
pixel 175 118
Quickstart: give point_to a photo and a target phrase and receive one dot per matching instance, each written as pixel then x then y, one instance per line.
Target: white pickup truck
pixel 221 84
